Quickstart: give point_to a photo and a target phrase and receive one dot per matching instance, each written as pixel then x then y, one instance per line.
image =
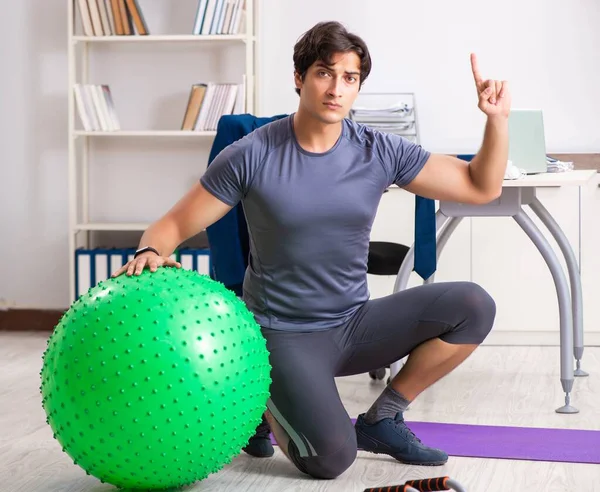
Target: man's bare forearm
pixel 163 235
pixel 489 165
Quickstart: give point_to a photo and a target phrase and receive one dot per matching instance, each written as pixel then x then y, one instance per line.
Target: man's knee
pixel 326 466
pixel 477 310
pixel 480 305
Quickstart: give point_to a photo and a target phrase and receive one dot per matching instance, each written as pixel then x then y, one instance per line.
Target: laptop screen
pixel 527 141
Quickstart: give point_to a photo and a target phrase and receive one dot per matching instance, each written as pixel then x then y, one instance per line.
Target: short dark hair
pixel 325 39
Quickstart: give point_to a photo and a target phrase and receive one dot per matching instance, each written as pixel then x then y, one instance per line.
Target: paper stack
pixel 389 113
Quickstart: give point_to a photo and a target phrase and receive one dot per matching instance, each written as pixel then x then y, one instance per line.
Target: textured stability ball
pixel 155 381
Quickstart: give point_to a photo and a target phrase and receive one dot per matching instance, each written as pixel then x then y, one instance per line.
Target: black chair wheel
pixel 379 374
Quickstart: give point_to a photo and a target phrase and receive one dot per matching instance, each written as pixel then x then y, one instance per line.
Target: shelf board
pixel 163 38
pixel 145 133
pixel 111 226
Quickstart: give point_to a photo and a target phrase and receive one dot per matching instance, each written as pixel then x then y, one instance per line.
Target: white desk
pixel 515 194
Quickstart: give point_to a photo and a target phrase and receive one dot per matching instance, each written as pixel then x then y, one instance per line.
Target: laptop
pixel 527 141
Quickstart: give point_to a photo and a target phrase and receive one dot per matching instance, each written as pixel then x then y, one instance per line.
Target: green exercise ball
pixel 155 381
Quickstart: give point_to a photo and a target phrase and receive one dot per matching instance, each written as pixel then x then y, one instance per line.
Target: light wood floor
pixel 497 386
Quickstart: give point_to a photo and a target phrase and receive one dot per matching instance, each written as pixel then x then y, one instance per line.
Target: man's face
pixel 328 91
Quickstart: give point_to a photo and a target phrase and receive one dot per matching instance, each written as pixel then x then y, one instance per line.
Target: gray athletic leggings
pixel 304 397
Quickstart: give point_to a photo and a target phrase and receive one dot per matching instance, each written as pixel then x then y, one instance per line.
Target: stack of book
pixel 219 17
pixel 209 101
pixel 206 104
pixel 96 108
pixel 125 18
pixel 112 17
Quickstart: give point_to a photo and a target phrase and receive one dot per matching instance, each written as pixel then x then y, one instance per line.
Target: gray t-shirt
pixel 309 217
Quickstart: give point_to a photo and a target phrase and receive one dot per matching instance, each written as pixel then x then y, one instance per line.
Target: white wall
pixel 33 191
pixel 548 51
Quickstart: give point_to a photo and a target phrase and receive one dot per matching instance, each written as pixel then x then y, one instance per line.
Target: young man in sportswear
pixel 310 185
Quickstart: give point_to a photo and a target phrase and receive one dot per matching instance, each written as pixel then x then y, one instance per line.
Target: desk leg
pixel 564 306
pixel 574 277
pixel 409 262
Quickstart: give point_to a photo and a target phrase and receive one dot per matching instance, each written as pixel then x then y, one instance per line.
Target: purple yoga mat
pixel 514 443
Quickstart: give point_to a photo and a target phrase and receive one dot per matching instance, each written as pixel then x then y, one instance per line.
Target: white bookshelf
pixel 106 226
pixel 166 38
pixel 80 52
pixel 145 133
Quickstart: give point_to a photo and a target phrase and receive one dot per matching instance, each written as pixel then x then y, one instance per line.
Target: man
pixel 310 184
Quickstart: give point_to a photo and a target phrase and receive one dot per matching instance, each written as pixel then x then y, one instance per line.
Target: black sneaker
pixel 259 444
pixel 394 438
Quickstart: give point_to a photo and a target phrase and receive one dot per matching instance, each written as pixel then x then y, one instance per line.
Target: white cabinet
pixel 590 256
pixel 395 222
pixel 508 265
pixel 395 217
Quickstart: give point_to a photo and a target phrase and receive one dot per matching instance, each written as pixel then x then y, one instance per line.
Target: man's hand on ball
pixel 146 260
pixel 494 95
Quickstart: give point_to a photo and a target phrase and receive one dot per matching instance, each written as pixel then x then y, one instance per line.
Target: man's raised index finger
pixel 475 68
